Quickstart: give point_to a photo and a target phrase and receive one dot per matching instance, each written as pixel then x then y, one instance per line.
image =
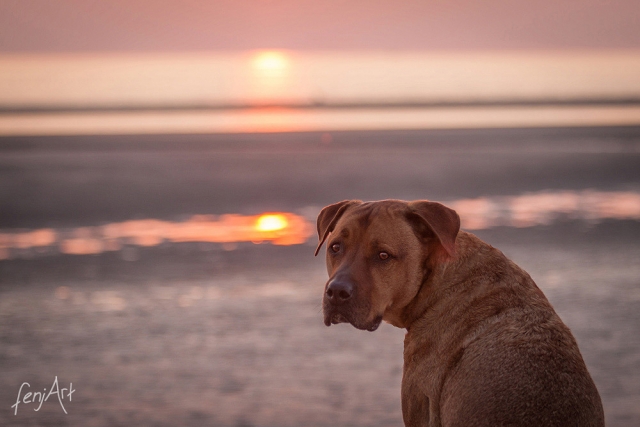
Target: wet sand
pixel 186 335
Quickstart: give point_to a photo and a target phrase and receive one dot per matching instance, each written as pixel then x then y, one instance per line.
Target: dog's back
pixel 509 359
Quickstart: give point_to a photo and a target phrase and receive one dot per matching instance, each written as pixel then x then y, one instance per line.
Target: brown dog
pixel 483 346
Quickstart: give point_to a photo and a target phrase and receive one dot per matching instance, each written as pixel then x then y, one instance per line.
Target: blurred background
pixel 162 164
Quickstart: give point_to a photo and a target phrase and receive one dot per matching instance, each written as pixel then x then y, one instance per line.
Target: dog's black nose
pixel 339 291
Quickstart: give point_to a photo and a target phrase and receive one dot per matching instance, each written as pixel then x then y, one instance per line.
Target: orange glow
pixel 282 228
pixel 54 82
pixel 270 62
pixel 42 237
pixel 270 79
pixel 81 246
pixel 545 207
pixel 277 228
pixel 37 238
pixel 271 222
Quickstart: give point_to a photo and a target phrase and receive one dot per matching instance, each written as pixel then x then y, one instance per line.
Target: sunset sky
pixel 192 25
pixel 141 54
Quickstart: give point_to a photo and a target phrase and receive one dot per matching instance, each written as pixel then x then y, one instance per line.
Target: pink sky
pixel 170 25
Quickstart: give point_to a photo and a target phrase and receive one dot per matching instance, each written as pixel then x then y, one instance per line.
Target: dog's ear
pixel 443 222
pixel 328 217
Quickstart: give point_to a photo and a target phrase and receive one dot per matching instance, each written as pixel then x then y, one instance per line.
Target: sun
pixel 270 62
pixel 271 222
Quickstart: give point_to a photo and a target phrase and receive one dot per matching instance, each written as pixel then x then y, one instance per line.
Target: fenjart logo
pixel 42 396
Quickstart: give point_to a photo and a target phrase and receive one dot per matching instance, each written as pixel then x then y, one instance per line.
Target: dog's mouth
pixel 335 318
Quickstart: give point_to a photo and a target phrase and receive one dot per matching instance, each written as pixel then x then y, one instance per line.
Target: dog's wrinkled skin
pixel 483 346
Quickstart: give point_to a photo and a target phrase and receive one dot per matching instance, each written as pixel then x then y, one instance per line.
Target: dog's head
pixel 378 254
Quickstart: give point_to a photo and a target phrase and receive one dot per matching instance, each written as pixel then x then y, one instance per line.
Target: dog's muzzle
pixel 340 306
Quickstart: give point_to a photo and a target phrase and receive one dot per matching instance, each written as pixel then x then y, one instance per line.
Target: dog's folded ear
pixel 329 216
pixel 433 217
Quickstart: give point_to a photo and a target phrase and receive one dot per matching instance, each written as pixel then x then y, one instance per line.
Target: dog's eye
pixel 383 255
pixel 335 247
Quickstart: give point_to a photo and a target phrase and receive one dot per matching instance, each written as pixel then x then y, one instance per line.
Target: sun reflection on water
pixel 281 228
pixel 276 228
pixel 271 222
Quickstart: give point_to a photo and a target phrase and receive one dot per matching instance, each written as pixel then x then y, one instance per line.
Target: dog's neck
pixel 441 279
